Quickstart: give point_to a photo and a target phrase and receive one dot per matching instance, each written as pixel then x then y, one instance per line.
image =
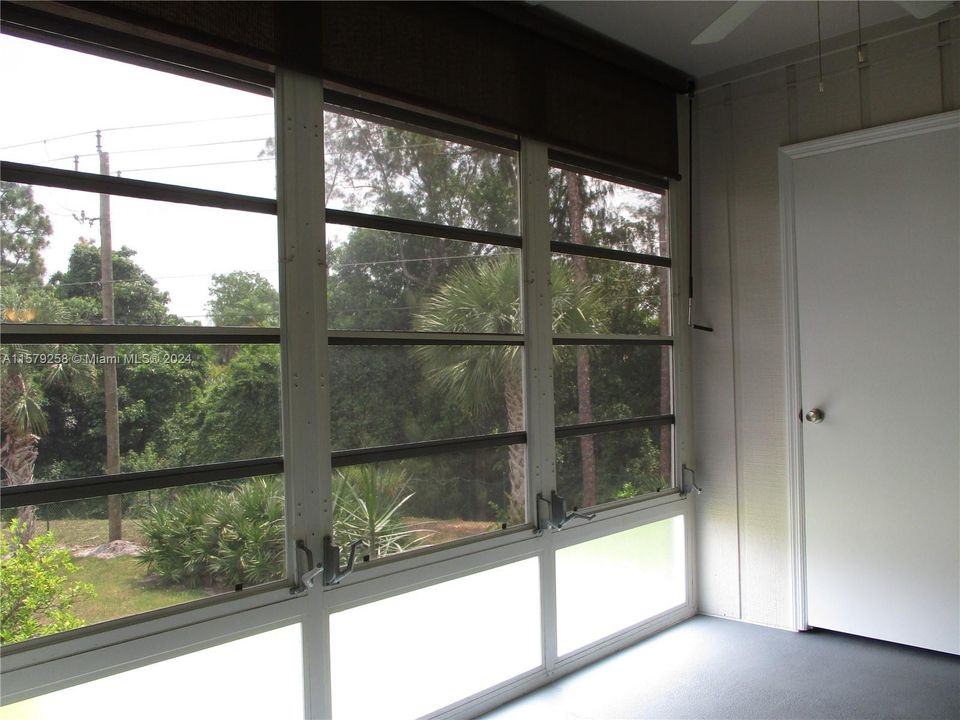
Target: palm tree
pixel 484 297
pixel 22 418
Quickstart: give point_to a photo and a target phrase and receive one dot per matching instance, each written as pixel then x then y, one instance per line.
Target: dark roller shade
pixel 510 66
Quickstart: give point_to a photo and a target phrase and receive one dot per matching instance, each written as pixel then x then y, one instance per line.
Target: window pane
pixel 409 504
pixel 591 295
pixel 617 465
pixel 385 170
pixel 154 125
pixel 392 281
pixel 177 545
pixel 633 576
pixel 173 264
pixel 385 395
pixel 268 666
pixel 589 211
pixel 176 405
pixel 610 382
pixel 488 622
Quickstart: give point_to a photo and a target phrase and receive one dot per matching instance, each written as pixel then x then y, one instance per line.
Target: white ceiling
pixel 664 29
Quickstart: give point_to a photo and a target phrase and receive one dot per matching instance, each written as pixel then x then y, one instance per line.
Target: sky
pixel 160 127
pixel 155 126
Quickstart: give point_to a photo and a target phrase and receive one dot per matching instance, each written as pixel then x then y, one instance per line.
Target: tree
pixel 237 415
pixel 137 301
pixel 588 457
pixel 243 299
pixel 37 598
pixel 24 234
pixel 485 298
pixel 25 228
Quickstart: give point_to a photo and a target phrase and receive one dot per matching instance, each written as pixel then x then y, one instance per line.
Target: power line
pixel 194 165
pixel 159 148
pixel 137 127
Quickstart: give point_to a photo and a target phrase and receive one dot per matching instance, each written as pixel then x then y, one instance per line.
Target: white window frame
pixel 141 640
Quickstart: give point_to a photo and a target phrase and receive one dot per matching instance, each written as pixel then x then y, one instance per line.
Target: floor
pixel 712 668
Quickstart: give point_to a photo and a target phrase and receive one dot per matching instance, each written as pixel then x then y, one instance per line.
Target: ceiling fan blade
pixel 922 10
pixel 728 21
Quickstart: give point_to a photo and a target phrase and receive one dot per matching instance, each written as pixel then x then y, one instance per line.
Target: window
pixel 142 451
pixel 423 306
pixel 192 421
pixel 612 337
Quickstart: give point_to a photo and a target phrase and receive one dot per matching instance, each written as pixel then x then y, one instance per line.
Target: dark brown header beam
pixel 505 66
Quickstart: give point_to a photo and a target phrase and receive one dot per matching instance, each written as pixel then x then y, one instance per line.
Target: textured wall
pixel 742 119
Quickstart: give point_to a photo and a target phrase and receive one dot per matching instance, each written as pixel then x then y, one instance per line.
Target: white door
pixel 875 231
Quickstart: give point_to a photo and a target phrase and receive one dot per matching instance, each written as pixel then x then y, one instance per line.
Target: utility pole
pixel 112 422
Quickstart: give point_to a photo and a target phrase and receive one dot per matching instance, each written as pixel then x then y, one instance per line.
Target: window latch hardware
pixel 684 488
pixel 308 578
pixel 332 572
pixel 558 515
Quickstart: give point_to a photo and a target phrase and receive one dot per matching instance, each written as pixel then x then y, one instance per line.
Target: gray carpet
pixel 711 668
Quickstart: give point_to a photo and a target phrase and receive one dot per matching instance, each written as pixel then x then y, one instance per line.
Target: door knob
pixel 814 416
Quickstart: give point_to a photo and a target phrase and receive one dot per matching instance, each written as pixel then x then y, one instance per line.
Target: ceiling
pixel 664 29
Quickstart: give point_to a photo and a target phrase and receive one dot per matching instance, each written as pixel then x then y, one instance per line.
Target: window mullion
pixel 537 323
pixel 538 366
pixel 303 291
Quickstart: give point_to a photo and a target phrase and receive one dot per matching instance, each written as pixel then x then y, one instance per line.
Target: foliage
pixel 366 503
pixel 243 299
pixel 211 536
pixel 236 414
pixel 38 594
pixel 136 299
pixel 24 234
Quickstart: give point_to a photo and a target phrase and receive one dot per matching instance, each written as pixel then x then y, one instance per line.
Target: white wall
pixel 742 118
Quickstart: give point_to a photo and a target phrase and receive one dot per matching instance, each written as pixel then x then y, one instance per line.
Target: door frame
pixel 788 251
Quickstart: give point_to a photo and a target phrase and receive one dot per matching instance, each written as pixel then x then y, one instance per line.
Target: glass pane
pixel 391 281
pixel 591 295
pixel 176 405
pixel 617 465
pixel 444 642
pixel 61 571
pixel 610 382
pixel 589 211
pixel 385 395
pixel 173 264
pixel 385 170
pixel 268 666
pixel 410 504
pixel 153 125
pixel 634 575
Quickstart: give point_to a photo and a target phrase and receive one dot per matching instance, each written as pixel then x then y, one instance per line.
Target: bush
pixel 366 504
pixel 37 596
pixel 217 536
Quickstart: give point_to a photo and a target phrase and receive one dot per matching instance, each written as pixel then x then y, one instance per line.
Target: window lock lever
pixel 558 515
pixel 307 579
pixel 332 572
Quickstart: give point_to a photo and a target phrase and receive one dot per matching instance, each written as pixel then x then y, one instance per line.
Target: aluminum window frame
pixel 558 159
pixel 125 628
pixel 62 660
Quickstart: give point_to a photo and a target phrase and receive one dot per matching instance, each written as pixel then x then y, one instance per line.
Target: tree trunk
pixel 18 455
pixel 588 457
pixel 517 497
pixel 666 455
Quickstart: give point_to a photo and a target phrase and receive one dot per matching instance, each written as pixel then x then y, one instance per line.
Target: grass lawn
pixel 121 590
pixel 74 532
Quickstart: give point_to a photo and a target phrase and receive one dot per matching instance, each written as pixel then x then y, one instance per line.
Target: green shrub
pixel 219 537
pixel 36 594
pixel 366 504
